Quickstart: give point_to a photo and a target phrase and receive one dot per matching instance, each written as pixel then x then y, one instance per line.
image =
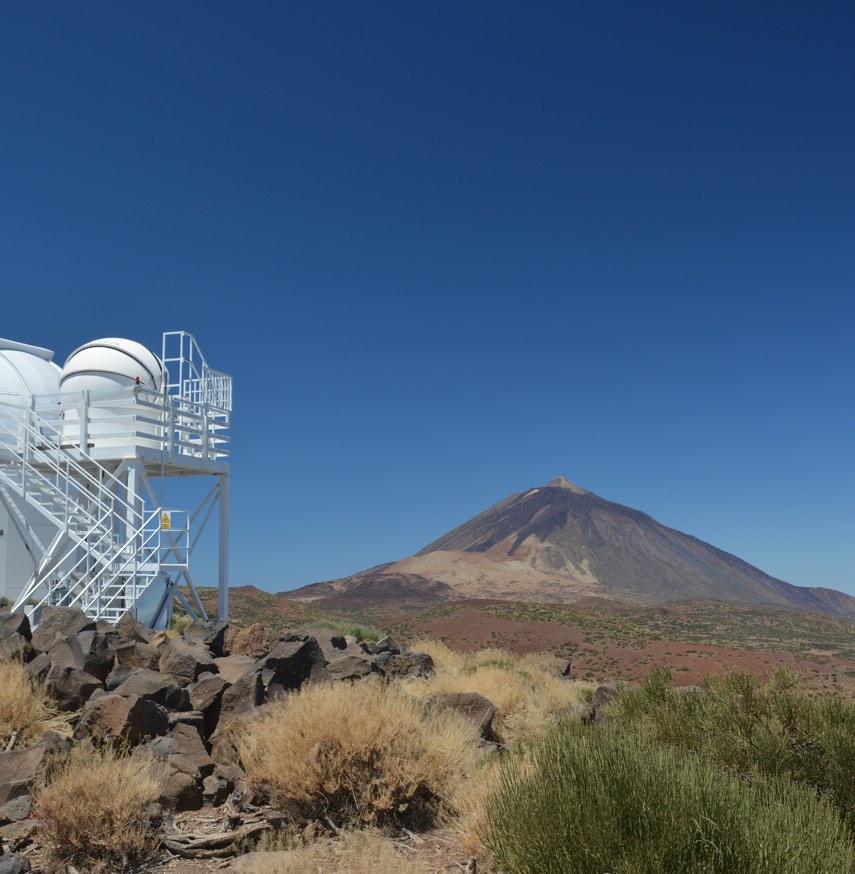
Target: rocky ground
pixel 181 698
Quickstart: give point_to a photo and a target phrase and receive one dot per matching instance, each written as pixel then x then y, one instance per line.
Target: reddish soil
pixel 472 629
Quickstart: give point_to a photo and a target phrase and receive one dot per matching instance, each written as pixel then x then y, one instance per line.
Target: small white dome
pixel 26 371
pixel 111 363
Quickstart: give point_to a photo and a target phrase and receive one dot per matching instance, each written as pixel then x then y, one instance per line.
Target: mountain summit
pixel 560 542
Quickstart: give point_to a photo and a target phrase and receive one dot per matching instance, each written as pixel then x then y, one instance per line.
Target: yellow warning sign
pixel 165 521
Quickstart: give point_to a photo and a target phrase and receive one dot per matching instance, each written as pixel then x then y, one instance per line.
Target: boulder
pixel 16 809
pixel 132 719
pixel 205 696
pixel 16 646
pixel 252 641
pixel 118 676
pixel 475 707
pixel 15 623
pixel 185 661
pixel 185 751
pixel 60 623
pixel 20 768
pixel 188 764
pixel 71 686
pixel 14 864
pixel 130 629
pixel 181 792
pixel 232 668
pixel 291 663
pixel 411 664
pixel 90 651
pixel 223 747
pixel 137 655
pixel 211 633
pixel 18 835
pixel 38 668
pixel 595 713
pixel 160 688
pixel 352 667
pixel 331 642
pixel 215 790
pixel 193 718
pixel 386 644
pixel 241 697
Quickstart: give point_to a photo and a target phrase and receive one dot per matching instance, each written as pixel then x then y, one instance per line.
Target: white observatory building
pixel 86 452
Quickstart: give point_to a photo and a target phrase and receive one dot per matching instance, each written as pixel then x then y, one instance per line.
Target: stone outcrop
pixel 131 719
pixel 20 768
pixel 479 710
pixel 182 698
pixel 294 661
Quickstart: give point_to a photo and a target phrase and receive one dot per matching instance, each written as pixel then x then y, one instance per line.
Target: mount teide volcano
pixel 560 542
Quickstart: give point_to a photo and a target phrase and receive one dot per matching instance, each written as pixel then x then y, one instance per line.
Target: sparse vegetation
pixel 604 800
pixel 355 852
pixel 527 691
pixel 353 629
pixel 26 707
pixel 365 754
pixel 92 810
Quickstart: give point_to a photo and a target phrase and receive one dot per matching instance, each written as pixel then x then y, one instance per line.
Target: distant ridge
pixel 560 542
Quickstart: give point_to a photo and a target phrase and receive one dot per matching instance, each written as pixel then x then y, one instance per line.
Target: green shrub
pixel 606 800
pixel 354 629
pixel 776 729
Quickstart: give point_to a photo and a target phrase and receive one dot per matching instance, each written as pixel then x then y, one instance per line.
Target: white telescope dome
pixel 26 371
pixel 111 363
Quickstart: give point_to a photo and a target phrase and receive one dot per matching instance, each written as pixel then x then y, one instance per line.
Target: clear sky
pixel 452 250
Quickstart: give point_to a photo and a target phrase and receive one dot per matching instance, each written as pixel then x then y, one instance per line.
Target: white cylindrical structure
pixel 98 410
pixel 110 364
pixel 26 372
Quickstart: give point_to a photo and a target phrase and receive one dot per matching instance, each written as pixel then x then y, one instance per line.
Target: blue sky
pixel 452 250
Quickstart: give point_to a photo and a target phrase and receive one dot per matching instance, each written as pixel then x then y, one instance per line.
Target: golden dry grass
pixel 366 754
pixel 26 707
pixel 359 852
pixel 528 693
pixel 91 810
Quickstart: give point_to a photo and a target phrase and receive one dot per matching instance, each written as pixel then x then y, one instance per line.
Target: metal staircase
pixel 106 552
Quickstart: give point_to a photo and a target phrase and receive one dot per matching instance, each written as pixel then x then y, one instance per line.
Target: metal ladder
pixel 105 553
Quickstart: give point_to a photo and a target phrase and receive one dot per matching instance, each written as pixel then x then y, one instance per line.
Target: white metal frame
pixel 85 461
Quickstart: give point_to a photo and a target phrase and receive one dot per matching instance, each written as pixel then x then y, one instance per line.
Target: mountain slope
pixel 560 542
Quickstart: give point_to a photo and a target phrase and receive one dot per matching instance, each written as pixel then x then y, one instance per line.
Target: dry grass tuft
pixel 26 707
pixel 359 852
pixel 468 818
pixel 529 695
pixel 91 810
pixel 365 754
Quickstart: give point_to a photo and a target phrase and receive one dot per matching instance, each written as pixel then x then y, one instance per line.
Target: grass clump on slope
pixel 91 810
pixel 528 693
pixel 26 707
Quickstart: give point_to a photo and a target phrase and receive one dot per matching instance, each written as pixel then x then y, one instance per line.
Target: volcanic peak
pixel 561 483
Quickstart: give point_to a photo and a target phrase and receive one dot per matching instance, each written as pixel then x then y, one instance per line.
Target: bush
pixel 91 810
pixel 366 754
pixel 775 729
pixel 354 629
pixel 26 707
pixel 605 800
pixel 528 693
